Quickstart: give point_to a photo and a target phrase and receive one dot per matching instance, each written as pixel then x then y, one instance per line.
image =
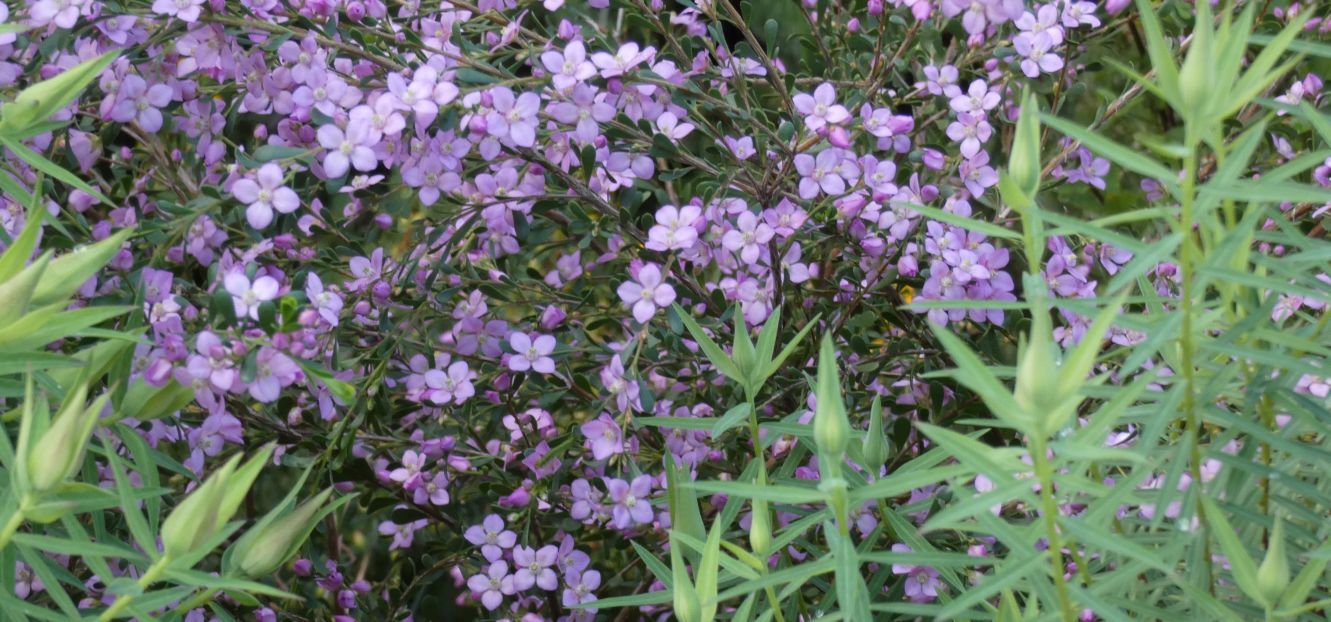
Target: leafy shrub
pixel 622 310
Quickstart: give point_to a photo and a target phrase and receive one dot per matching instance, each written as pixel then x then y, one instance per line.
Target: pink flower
pixel 491 536
pixel 820 109
pixel 628 57
pixel 185 10
pixel 534 567
pixel 604 436
pixel 514 118
pixel 747 237
pixel 346 149
pixel 646 294
pixel 62 13
pixel 674 228
pixel 631 504
pixel 141 103
pixel 493 585
pixel 248 296
pixel 978 98
pixel 569 67
pixel 533 354
pixel 670 125
pixel 263 194
pixel 273 370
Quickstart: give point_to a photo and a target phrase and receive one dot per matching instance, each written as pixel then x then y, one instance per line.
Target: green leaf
pixel 268 153
pixel 773 493
pixel 969 224
pixel 1130 159
pixel 713 352
pixel 790 347
pixel 38 102
pixel 39 162
pixel 60 546
pixel 1241 565
pixel 732 418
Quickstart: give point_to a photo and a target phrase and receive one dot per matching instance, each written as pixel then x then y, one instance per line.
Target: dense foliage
pixel 643 309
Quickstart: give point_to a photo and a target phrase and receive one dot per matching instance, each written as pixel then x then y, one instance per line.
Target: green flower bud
pixel 874 448
pixel 687 606
pixel 198 518
pixel 1024 160
pixel 1273 574
pixel 1197 79
pixel 58 454
pixel 760 529
pixel 277 541
pixel 831 428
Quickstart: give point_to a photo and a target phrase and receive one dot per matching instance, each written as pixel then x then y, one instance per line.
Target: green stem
pixel 1044 473
pixel 149 577
pixel 11 527
pixel 1187 348
pixel 762 475
pixel 197 601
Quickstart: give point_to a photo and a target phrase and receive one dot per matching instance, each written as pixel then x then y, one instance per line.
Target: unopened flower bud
pixel 211 505
pixel 277 541
pixel 59 453
pixel 1273 574
pixel 831 429
pixel 760 529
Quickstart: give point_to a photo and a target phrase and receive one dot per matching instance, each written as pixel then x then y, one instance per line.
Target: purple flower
pixel 211 437
pixel 631 506
pixel 1042 26
pixel 326 301
pixel 62 13
pixel 404 534
pixel 212 363
pixel 27 583
pixel 409 474
pixel 628 57
pixel 674 228
pixel 533 354
pixel 273 370
pixel 604 436
pixel 672 127
pixel 433 490
pixel 139 102
pixel 493 585
pixel 977 175
pixel 491 536
pixel 580 586
pixel 248 296
pixel 569 67
pixel 451 386
pixel 820 173
pixel 978 98
pixel 647 293
pixel 514 118
pixel 921 582
pixel 748 237
pixel 585 110
pixel 534 567
pixel 971 130
pixel 1036 56
pixel 820 109
pixel 263 194
pixel 347 149
pixel 185 10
